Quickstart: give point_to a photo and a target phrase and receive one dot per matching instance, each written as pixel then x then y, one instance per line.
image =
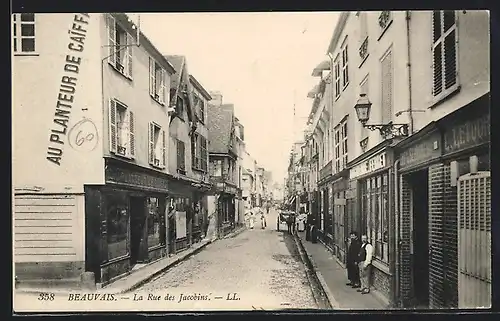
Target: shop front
pixel 226 207
pixel 446 212
pixel 325 230
pixel 125 220
pixel 338 205
pixel 369 203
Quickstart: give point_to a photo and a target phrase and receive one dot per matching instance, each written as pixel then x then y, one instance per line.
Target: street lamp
pixel 363 106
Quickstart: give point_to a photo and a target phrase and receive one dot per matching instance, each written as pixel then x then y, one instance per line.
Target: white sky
pixel 257 61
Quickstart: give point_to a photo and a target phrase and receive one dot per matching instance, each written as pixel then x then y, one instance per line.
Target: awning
pixel 291 200
pixel 318 71
pixel 313 92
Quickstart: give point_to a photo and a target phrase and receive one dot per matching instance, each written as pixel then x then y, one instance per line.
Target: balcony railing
pixel 363 49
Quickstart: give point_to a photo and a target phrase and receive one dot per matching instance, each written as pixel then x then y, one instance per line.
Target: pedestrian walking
pixel 294 223
pixel 365 264
pixel 308 226
pixel 289 222
pixel 352 260
pixel 263 221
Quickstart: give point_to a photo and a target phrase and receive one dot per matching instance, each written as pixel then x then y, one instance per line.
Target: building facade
pixel 409 173
pixel 96 185
pixel 223 168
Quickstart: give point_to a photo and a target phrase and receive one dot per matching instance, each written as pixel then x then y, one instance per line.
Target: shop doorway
pixel 138 246
pixel 420 238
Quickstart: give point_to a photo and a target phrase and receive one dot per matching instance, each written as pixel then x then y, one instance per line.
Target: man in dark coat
pixel 352 260
pixel 308 227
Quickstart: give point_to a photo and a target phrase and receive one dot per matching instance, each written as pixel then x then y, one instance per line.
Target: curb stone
pixel 128 288
pixel 324 287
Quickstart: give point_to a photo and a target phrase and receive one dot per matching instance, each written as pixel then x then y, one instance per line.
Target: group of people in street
pixel 257 212
pixel 359 262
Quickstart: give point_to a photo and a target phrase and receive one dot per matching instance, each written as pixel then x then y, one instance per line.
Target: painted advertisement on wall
pixel 57 107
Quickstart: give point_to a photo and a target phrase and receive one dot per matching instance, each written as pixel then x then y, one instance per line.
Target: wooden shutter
pixel 131 133
pixel 437 54
pixel 151 76
pixel 387 81
pixel 163 148
pixel 111 24
pixel 180 155
pixel 450 50
pixel 204 155
pixel 163 89
pixel 151 139
pixel 130 41
pixel 112 126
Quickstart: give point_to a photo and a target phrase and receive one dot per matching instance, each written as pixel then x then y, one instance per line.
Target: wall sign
pixel 372 164
pixel 467 134
pixel 421 151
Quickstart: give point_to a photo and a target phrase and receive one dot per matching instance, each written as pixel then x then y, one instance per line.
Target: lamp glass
pixel 363 107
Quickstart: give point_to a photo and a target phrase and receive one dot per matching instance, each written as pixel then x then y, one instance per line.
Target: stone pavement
pixel 333 278
pixel 138 277
pixel 263 266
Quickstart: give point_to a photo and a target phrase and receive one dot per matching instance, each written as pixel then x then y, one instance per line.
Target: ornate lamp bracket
pixel 390 130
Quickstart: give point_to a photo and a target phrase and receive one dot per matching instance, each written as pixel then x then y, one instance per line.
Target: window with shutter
pixel 112 126
pixel 111 39
pixel 181 165
pixel 444 53
pixel 164 148
pixel 156 145
pixel 131 120
pixel 128 60
pixel 387 84
pixel 157 82
pixel 123 133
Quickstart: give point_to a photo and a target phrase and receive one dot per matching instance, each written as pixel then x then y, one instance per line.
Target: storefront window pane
pixel 154 221
pixel 117 213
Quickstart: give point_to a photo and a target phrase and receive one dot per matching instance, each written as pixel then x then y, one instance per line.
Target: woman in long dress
pixel 212 231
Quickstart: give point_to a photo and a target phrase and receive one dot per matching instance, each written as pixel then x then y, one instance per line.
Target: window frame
pixel 153 145
pixel 181 168
pixel 17 37
pixel 157 93
pixel 345 63
pixel 441 41
pixel 126 70
pixel 338 83
pixel 387 53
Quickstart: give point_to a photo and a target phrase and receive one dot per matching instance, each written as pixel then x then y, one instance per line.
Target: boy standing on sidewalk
pixel 352 260
pixel 365 264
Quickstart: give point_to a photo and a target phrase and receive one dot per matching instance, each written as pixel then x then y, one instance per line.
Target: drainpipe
pixel 397 242
pixel 408 65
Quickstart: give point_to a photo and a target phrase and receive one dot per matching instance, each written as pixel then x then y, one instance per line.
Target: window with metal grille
pixel 474 240
pixel 444 52
pixel 387 88
pixel 23 32
pixel 363 35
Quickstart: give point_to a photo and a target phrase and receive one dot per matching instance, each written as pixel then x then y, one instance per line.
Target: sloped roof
pixel 220 122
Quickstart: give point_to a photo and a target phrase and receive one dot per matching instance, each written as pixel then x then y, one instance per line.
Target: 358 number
pixel 46 297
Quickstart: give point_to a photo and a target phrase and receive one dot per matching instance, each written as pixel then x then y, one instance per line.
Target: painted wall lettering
pixel 83 136
pixel 468 134
pixel 67 88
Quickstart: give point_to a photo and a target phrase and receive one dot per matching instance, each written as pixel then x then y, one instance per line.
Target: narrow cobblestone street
pixel 262 265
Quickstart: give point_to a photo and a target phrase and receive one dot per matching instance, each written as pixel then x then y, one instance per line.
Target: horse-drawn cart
pixel 283 217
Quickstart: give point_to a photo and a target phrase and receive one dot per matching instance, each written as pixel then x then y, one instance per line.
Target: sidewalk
pixel 137 278
pixel 333 279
